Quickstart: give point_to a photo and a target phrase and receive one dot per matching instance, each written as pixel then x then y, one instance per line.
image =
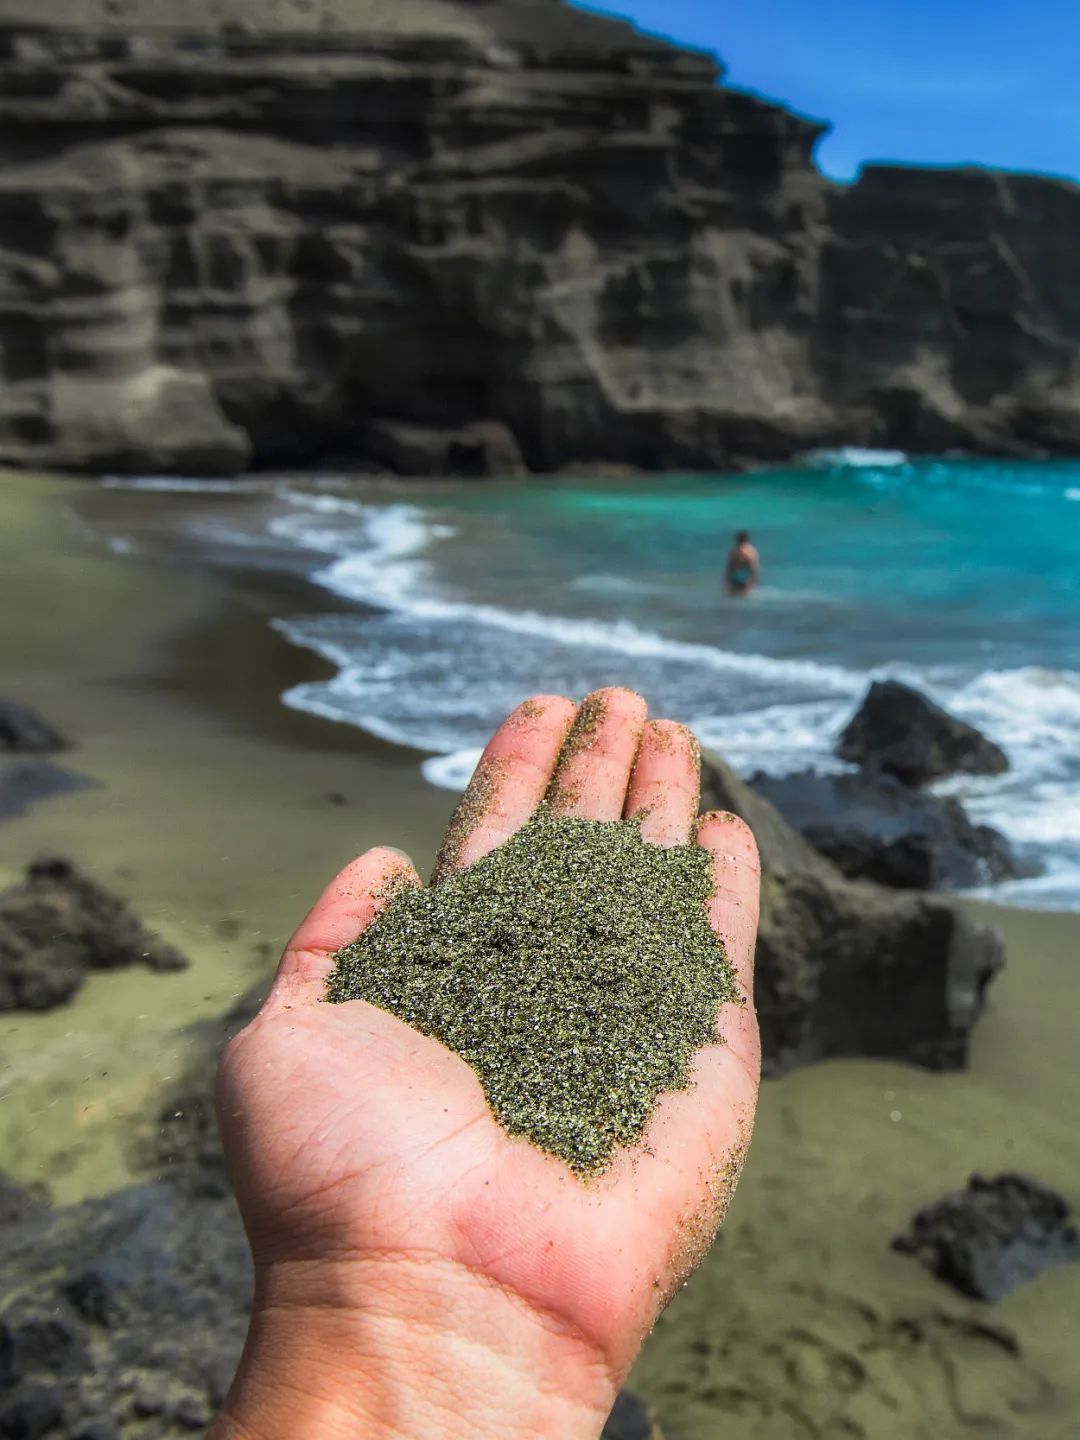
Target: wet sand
pixel 213 816
pixel 215 823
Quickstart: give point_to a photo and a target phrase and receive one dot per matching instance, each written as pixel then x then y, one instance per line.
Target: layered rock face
pixel 950 310
pixel 236 234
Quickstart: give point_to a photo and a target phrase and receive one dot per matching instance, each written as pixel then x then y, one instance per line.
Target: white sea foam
pixel 321 503
pixel 1057 888
pixel 429 660
pixel 855 457
pixel 426 667
pixel 383 566
pixel 620 636
pixel 453 771
pixel 180 484
pixel 1029 708
pixel 779 739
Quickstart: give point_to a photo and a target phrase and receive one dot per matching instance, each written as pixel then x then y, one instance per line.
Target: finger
pixel 594 767
pixel 341 914
pixel 665 784
pixel 698 1136
pixel 510 781
pixel 733 909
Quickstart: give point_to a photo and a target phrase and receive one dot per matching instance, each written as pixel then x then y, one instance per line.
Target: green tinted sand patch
pixel 574 969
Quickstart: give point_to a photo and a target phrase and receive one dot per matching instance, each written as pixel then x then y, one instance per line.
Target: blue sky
pixel 994 82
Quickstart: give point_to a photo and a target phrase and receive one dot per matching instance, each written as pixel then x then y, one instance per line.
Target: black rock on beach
pixel 58 926
pixel 993 1236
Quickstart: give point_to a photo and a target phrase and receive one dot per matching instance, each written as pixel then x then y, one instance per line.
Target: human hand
pixel 420 1272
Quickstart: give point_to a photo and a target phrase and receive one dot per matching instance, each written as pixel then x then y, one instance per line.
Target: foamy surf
pixel 854 457
pixel 456 608
pixel 180 484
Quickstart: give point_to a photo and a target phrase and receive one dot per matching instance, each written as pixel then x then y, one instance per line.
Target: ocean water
pixel 959 576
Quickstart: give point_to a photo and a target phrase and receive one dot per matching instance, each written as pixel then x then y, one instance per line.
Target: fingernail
pixel 393 850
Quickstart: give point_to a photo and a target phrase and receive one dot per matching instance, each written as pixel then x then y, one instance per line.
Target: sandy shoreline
pixel 219 829
pixel 213 815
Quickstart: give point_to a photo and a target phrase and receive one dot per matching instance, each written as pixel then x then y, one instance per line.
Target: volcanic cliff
pixel 481 235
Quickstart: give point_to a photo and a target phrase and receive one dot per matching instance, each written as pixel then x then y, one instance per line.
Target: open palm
pixel 366 1160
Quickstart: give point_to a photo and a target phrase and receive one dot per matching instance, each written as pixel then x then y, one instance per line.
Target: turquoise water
pixel 923 563
pixel 960 576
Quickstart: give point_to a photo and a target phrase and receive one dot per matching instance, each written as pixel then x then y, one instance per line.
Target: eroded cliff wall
pixel 476 234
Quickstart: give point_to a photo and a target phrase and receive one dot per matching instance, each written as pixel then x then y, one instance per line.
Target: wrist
pixel 399 1348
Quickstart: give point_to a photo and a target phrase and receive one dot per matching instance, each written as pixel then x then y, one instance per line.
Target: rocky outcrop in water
pixel 849 968
pixel 57 927
pixel 897 731
pixel 478 235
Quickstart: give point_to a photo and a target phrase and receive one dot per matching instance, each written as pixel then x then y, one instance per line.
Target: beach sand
pixel 212 814
pixel 216 824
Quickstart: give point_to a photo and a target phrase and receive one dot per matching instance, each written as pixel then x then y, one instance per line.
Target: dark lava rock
pixel 993 1236
pixel 23 729
pixel 124 1316
pixel 874 828
pixel 120 1316
pixel 57 926
pixel 242 233
pixel 849 968
pixel 24 785
pixel 899 731
pixel 631 1419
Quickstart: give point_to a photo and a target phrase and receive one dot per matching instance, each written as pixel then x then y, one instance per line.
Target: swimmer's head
pixel 743 537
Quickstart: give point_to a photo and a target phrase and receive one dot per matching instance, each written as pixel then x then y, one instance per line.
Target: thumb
pixel 342 913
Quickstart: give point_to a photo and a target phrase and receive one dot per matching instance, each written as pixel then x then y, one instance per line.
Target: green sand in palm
pixel 574 969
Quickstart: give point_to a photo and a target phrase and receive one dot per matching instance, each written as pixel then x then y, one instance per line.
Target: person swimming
pixel 743 571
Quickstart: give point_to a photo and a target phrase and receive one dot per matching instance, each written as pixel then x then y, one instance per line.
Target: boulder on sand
pixel 993 1236
pixel 849 968
pixel 874 828
pixel 57 926
pixel 899 731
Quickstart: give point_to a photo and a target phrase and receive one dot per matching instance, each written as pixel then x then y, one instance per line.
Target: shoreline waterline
pixel 441 602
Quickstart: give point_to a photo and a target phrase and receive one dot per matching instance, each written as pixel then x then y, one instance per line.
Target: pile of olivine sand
pixel 575 970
